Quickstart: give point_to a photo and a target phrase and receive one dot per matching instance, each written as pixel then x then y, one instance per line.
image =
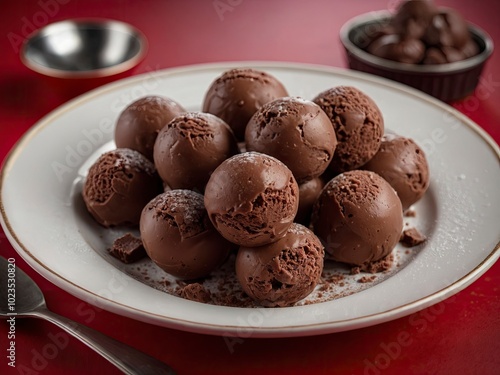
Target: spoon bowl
pixel 21 297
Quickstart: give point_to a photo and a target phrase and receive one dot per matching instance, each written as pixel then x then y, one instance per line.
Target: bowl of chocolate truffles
pixel 428 47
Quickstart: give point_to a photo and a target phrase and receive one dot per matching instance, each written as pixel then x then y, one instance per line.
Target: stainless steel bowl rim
pixel 94 73
pixel 379 62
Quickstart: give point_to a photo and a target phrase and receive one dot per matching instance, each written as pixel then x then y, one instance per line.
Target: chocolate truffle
pixel 358 125
pixel 434 55
pixel 413 17
pixel 295 131
pixel 364 40
pixel 358 217
pixel 309 192
pixel 190 147
pixel 447 29
pixel 252 199
pixel 139 123
pixel 393 47
pixel 118 186
pixel 179 237
pixel 284 272
pixel 470 49
pixel 402 163
pixel 238 93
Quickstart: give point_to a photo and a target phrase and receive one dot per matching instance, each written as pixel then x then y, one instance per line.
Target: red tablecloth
pixel 461 336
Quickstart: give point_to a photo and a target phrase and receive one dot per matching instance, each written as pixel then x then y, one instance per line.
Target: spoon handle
pixel 126 358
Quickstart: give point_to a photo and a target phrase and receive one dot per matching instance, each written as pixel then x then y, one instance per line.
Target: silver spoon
pixel 29 302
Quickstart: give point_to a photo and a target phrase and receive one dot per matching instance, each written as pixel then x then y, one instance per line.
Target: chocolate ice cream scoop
pixel 283 272
pixel 118 185
pixel 190 147
pixel 358 217
pixel 179 237
pixel 252 199
pixel 358 125
pixel 309 192
pixel 295 131
pixel 139 123
pixel 402 163
pixel 238 93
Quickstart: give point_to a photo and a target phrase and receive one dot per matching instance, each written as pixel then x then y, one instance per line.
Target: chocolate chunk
pixel 195 292
pixel 412 237
pixel 410 213
pixel 128 248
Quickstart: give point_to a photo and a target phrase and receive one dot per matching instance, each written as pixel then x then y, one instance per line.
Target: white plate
pixel 43 219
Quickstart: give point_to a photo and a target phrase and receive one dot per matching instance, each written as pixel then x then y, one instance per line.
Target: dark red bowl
pixel 447 82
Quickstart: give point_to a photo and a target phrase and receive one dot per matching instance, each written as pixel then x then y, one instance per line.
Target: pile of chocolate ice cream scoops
pixel 282 183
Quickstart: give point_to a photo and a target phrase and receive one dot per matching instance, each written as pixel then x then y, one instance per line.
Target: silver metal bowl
pixel 84 48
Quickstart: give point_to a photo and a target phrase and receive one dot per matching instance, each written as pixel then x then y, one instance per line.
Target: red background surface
pixel 458 336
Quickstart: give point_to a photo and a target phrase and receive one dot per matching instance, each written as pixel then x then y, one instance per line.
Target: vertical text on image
pixel 11 306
